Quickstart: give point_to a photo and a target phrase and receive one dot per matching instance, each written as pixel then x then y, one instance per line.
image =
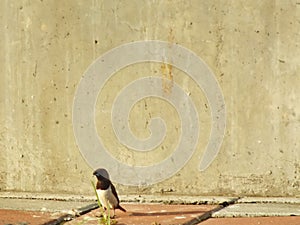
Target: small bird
pixel 106 191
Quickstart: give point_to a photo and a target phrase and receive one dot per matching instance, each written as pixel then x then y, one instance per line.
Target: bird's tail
pixel 121 208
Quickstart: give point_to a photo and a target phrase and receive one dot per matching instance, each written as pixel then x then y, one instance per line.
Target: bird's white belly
pixel 107 198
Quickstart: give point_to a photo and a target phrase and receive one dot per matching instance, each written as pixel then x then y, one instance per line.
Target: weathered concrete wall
pixel 252 47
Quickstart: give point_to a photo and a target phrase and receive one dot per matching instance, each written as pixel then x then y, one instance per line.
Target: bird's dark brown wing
pixel 113 189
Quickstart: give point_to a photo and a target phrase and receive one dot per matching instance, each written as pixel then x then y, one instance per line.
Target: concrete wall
pixel 251 47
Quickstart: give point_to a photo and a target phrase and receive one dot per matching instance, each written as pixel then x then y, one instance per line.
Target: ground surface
pixel 267 211
pixel 147 214
pixel 18 217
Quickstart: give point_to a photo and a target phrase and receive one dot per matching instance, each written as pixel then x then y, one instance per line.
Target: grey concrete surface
pixel 42 205
pixel 166 199
pixel 259 209
pixel 290 200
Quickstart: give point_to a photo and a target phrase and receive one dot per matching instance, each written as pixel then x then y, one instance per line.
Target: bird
pixel 106 191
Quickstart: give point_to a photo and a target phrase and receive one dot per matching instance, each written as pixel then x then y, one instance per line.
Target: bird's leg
pixel 113 216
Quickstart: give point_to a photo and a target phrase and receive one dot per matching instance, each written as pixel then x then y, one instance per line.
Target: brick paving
pixel 291 220
pixel 18 217
pixel 148 214
pixel 37 212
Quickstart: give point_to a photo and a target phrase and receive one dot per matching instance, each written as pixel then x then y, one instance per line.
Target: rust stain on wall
pixel 167 69
pixel 167 75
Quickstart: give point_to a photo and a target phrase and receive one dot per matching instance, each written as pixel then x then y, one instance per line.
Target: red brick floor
pixel 149 214
pixel 143 214
pixel 17 217
pixel 291 220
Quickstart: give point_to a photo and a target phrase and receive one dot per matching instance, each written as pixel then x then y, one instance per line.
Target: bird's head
pixel 101 174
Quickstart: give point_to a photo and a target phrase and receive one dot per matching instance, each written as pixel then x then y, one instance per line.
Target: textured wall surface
pixel 252 48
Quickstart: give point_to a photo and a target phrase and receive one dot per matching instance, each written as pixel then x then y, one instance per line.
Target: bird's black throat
pixel 103 184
